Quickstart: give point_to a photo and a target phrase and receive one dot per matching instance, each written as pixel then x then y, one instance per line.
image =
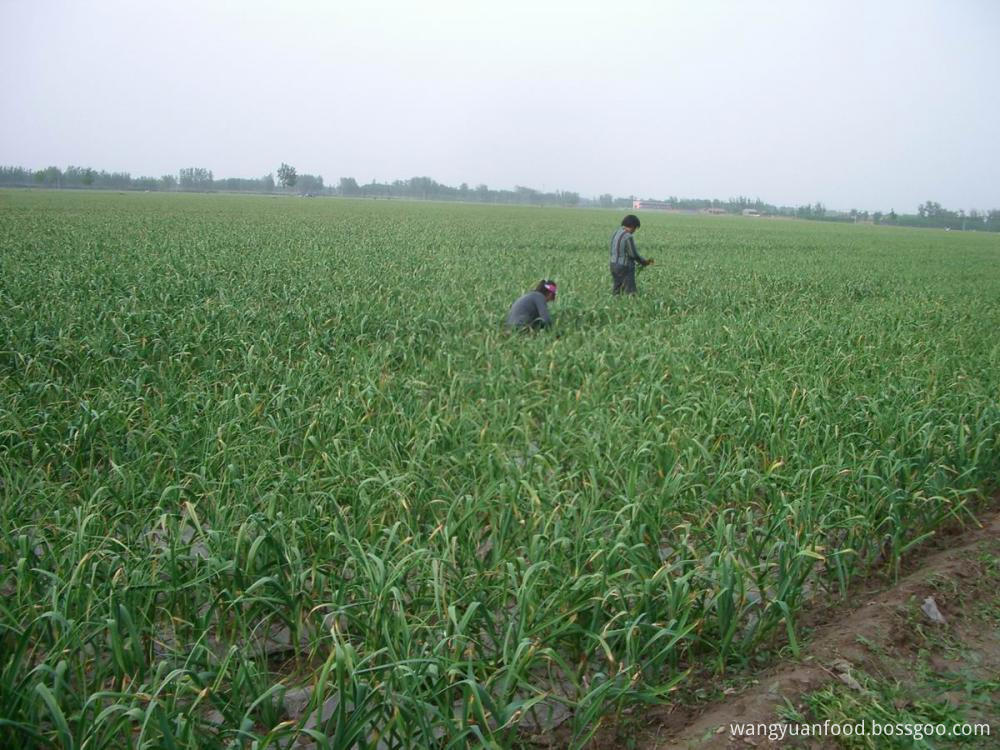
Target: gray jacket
pixel 623 252
pixel 529 310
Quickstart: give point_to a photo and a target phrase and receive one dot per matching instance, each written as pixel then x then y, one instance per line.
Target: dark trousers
pixel 622 279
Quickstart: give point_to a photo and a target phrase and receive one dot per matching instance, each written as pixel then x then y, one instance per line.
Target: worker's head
pixel 631 222
pixel 548 288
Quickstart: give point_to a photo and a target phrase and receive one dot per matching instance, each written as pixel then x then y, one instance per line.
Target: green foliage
pixel 271 468
pixel 196 178
pixel 287 175
pixel 882 714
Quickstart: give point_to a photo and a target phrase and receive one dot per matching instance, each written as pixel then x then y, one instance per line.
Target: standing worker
pixel 624 256
pixel 531 310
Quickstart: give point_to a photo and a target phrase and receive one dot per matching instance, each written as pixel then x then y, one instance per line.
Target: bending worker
pixel 531 310
pixel 624 256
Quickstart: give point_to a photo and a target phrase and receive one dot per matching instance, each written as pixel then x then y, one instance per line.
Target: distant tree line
pixel 929 214
pixel 424 188
pixel 288 180
pixel 188 179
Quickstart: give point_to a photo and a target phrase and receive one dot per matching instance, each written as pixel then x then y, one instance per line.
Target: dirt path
pixel 885 634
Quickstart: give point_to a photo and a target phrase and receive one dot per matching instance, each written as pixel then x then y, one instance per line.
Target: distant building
pixel 652 205
pixel 714 210
pixel 751 212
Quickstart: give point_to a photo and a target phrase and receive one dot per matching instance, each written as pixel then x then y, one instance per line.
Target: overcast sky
pixel 857 104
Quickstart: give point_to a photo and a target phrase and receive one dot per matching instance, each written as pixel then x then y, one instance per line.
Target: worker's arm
pixel 543 314
pixel 634 253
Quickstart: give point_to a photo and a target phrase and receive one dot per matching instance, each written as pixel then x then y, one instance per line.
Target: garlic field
pixel 272 474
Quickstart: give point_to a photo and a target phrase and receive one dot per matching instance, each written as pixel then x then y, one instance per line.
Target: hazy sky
pixel 857 104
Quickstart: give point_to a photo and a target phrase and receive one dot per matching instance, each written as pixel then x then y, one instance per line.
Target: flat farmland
pixel 271 474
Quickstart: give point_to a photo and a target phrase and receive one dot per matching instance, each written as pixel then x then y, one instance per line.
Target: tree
pixel 527 194
pixel 929 210
pixel 310 184
pixel 79 176
pixel 287 175
pixel 196 178
pixel 349 186
pixel 15 176
pixel 49 176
